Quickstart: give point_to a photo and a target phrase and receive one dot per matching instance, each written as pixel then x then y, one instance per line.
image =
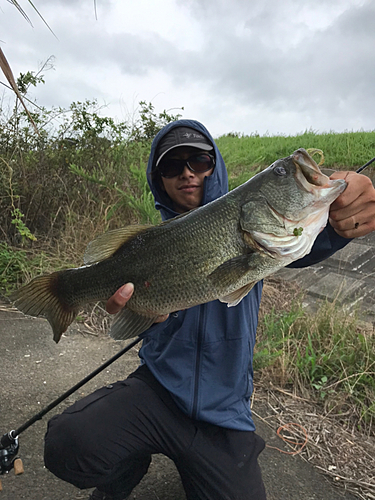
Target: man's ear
pixel 161 184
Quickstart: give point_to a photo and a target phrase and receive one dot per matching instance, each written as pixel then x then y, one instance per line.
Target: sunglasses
pixel 197 163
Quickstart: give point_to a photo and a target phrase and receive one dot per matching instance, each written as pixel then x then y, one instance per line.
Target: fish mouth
pixel 298 229
pixel 311 178
pixel 307 165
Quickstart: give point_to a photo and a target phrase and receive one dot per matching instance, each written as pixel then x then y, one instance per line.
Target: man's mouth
pixel 188 188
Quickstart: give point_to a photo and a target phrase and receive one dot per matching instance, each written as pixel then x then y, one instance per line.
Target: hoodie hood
pixel 215 185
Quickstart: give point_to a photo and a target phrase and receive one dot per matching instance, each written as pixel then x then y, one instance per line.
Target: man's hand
pixel 352 214
pixel 120 298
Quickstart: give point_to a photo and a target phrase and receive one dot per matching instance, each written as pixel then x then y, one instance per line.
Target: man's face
pixel 186 189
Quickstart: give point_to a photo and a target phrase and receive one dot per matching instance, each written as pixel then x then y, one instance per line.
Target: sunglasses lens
pixel 200 163
pixel 196 163
pixel 171 168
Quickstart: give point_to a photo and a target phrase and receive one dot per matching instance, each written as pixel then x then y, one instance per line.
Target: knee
pixel 61 444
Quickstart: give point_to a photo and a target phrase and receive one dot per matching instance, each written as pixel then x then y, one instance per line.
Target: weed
pixel 22 229
pixel 15 264
pixel 325 354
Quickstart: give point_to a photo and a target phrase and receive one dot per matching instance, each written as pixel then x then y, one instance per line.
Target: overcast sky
pixel 266 66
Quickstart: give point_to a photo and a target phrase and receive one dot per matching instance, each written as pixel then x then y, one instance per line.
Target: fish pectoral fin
pixel 128 324
pixel 232 270
pixel 234 298
pixel 106 244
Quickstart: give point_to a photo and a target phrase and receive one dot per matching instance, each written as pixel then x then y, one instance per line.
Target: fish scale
pixel 175 278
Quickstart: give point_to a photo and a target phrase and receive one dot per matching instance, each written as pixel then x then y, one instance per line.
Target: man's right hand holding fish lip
pixel 352 214
pixel 121 297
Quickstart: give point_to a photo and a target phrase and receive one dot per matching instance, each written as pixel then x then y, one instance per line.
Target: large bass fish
pixel 218 251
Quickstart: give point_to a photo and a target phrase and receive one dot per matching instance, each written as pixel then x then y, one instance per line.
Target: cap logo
pixel 192 134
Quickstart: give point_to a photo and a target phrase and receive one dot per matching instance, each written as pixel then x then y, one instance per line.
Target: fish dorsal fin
pixel 234 298
pixel 107 243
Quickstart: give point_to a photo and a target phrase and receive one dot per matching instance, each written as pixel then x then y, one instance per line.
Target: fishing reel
pixel 8 455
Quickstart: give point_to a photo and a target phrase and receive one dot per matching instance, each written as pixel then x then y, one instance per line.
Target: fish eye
pixel 279 170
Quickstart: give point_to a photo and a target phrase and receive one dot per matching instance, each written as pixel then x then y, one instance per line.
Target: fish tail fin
pixel 44 297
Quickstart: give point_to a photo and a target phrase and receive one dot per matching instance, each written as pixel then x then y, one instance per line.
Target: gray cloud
pixel 327 68
pixel 313 60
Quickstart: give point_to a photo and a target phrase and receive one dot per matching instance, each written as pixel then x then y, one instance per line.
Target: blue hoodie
pixel 203 355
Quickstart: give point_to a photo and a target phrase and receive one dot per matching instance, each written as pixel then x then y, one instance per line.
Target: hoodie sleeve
pixel 327 243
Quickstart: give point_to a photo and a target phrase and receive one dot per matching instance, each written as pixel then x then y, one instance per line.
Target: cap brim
pixel 204 147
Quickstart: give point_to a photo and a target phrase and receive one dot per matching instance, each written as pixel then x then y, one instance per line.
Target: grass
pixel 351 149
pixel 327 356
pixel 18 266
pixel 13 267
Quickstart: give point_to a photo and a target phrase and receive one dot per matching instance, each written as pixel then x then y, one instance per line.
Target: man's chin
pixel 181 209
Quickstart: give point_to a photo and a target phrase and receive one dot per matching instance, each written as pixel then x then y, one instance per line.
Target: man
pixel 189 399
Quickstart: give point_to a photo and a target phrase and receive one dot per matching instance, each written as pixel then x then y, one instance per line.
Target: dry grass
pixel 278 295
pixel 95 320
pixel 340 444
pixel 344 454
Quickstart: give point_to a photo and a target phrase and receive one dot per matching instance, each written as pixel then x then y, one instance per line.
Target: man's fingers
pixel 160 319
pixel 119 298
pixel 355 231
pixel 359 189
pixel 352 214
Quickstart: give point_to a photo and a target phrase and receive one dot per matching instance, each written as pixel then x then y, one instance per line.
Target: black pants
pixel 106 440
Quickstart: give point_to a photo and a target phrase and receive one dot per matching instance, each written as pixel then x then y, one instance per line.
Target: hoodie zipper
pixel 198 359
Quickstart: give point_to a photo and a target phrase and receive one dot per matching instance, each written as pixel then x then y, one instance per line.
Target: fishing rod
pixel 9 444
pixel 364 166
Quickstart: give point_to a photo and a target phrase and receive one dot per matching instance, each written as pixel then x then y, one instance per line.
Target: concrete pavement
pixel 348 276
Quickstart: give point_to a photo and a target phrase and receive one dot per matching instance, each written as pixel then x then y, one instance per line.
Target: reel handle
pixel 18 467
pixel 8 455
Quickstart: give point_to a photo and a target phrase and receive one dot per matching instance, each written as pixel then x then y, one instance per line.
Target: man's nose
pixel 187 172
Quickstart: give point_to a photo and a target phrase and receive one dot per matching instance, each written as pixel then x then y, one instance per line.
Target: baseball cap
pixel 182 136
